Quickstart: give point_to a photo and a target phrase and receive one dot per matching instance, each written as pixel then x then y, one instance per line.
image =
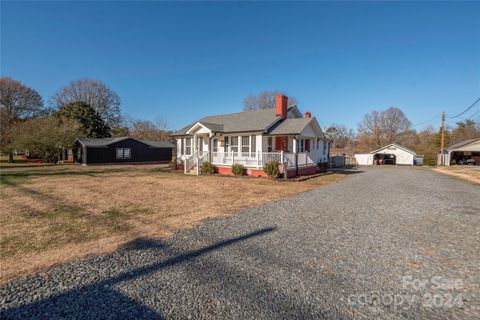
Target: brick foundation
pixel 249 171
pixel 302 171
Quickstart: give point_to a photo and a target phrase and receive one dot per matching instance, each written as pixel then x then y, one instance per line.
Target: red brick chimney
pixel 281 102
pixel 307 114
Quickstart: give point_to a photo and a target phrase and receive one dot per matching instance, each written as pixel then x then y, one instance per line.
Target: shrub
pixel 429 161
pixel 272 169
pixel 238 170
pixel 207 168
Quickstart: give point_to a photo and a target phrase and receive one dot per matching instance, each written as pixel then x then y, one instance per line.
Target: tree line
pixel 83 108
pixel 89 108
pixel 380 128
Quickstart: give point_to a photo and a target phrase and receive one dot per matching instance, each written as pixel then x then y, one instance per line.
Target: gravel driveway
pixel 383 243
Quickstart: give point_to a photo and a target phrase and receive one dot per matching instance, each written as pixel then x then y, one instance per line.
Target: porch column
pixel 209 148
pixel 194 143
pixel 295 155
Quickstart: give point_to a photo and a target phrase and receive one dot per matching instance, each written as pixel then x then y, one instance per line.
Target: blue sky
pixel 182 61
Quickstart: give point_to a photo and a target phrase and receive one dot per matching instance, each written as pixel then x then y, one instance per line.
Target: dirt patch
pixel 52 218
pixel 469 173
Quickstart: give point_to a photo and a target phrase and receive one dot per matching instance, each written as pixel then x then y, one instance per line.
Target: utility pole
pixel 442 157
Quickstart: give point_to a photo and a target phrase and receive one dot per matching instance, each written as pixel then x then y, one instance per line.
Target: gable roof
pixel 104 142
pixel 463 143
pixel 293 126
pixel 394 145
pixel 258 120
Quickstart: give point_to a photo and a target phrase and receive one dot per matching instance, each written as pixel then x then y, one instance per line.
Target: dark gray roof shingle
pixel 463 143
pixel 291 126
pixel 258 120
pixel 103 142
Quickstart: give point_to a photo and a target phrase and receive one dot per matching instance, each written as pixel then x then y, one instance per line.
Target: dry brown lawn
pixel 56 216
pixel 469 173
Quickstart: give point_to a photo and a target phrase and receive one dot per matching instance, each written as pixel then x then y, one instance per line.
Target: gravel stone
pixel 350 250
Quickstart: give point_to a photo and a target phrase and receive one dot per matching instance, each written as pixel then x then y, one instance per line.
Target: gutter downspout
pixel 296 155
pixel 210 146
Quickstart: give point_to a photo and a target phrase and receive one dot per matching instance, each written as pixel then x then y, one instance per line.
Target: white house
pixel 253 138
pixel 390 154
pixel 465 152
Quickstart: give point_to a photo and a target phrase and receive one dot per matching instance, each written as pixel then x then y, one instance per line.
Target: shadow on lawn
pixel 101 299
pixel 13 177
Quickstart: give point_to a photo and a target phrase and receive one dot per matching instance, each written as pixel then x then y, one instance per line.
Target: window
pixel 182 146
pixel 234 144
pixel 215 145
pixel 123 153
pixel 188 146
pixel 245 146
pixel 253 146
pixel 200 144
pixel 269 144
pixel 301 145
pixel 226 144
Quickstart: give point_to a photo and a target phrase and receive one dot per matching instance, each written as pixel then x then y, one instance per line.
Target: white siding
pixel 364 159
pixel 403 157
pixel 322 151
pixel 309 132
pixel 259 143
pixel 179 148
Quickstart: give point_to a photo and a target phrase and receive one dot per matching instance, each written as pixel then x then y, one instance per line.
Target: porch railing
pixel 304 159
pixel 247 159
pixel 256 160
pixel 190 162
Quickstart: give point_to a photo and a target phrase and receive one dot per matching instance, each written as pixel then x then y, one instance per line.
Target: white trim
pixel 195 125
pixel 395 145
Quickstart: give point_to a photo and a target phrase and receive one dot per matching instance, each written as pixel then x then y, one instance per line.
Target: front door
pixel 200 144
pixel 281 143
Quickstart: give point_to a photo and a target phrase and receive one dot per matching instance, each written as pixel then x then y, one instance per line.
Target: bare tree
pixel 384 127
pixel 265 100
pixel 94 93
pixel 17 103
pixel 161 123
pixel 147 130
pixel 394 125
pixel 370 133
pixel 340 135
pixel 467 129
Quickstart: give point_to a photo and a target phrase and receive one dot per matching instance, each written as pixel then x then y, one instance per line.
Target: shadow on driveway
pixel 100 300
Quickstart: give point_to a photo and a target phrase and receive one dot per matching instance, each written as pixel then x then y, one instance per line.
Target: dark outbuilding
pixel 121 150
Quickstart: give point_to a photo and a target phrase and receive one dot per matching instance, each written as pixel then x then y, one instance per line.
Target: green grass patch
pixel 114 214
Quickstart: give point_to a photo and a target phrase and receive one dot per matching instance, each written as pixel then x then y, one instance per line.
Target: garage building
pixel 393 154
pixel 465 152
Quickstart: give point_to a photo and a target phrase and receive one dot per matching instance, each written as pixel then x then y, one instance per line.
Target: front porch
pixel 251 149
pixel 292 164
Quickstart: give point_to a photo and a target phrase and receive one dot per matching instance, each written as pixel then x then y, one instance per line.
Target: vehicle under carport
pixel 463 153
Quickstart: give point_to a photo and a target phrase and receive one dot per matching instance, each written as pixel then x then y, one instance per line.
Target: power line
pixel 458 115
pixel 427 121
pixel 473 115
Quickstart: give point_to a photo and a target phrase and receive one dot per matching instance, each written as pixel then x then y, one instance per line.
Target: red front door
pixel 281 143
